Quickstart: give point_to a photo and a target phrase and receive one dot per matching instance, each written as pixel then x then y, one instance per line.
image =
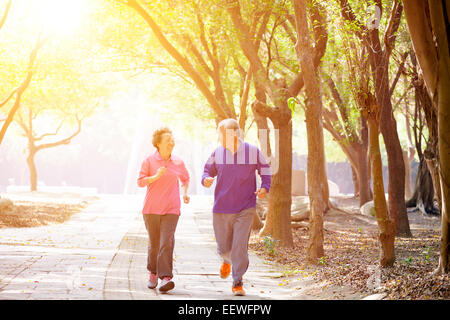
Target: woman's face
pixel 167 143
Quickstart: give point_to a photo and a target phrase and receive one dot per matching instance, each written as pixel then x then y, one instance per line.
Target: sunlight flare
pixel 60 17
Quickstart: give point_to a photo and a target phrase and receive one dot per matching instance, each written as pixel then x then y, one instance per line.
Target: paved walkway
pixel 101 253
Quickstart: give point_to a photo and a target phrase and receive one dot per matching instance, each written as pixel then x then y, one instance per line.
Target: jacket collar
pixel 240 149
pixel 158 156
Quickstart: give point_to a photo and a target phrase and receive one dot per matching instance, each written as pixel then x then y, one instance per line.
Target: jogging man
pixel 235 164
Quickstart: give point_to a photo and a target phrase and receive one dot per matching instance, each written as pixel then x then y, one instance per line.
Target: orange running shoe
pixel 238 289
pixel 225 269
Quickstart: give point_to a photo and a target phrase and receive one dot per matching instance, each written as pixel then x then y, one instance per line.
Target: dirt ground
pixel 352 255
pixel 33 210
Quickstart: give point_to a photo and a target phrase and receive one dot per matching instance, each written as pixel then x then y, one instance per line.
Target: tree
pixel 33 138
pixel 316 151
pixel 386 225
pixel 428 24
pixel 379 57
pixel 277 90
pixel 62 96
pixel 194 63
pixel 59 88
pixel 19 91
pixel 352 137
pixel 427 185
pixel 203 52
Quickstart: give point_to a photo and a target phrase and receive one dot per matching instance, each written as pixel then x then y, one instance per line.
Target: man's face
pixel 227 138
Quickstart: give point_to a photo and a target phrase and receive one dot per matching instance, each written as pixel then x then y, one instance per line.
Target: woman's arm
pixel 186 198
pixel 146 180
pixel 184 178
pixel 153 178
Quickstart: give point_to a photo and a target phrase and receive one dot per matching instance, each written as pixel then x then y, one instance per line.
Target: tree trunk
pixel 386 226
pixel 396 165
pixel 316 173
pixel 364 178
pixel 257 222
pixel 379 60
pixel 428 23
pixel 317 178
pixel 264 140
pixel 355 182
pixel 438 13
pixel 33 171
pixel 365 191
pixel 408 187
pixel 423 194
pixel 261 121
pixel 408 155
pixel 432 160
pixel 280 190
pixel 425 189
pixel 444 154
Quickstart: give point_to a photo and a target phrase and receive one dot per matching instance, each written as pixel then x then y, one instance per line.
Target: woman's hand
pixel 161 171
pixel 186 198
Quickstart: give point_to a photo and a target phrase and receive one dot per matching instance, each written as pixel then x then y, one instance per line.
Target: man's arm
pixel 209 172
pixel 263 168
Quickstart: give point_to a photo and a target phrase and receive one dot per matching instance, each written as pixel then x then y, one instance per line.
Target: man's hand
pixel 261 193
pixel 186 198
pixel 208 182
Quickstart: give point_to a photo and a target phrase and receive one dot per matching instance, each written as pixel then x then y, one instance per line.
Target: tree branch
pixel 348 14
pixel 5 14
pixel 203 39
pixel 244 99
pixel 248 46
pixel 184 63
pixel 422 40
pixel 262 28
pixel 392 27
pixel 50 134
pixel 191 46
pixel 264 110
pixel 21 89
pixel 321 38
pixel 289 32
pixel 2 103
pixel 62 141
pixel 399 73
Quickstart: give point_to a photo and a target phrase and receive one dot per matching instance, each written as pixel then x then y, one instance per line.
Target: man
pixel 235 163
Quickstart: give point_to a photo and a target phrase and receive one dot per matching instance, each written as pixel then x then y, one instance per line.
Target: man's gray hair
pixel 229 125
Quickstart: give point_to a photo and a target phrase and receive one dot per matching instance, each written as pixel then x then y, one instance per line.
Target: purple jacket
pixel 236 177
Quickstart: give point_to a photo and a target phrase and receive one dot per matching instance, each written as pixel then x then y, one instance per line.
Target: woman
pixel 160 173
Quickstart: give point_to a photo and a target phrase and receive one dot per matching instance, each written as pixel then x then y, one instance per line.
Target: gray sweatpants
pixel 232 232
pixel 161 231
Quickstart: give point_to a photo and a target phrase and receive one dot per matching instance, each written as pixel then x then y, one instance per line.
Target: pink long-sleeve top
pixel 163 195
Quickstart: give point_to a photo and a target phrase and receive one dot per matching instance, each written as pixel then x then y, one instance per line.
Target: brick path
pixel 101 254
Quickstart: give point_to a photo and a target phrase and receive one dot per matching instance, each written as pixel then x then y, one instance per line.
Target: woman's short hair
pixel 158 134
